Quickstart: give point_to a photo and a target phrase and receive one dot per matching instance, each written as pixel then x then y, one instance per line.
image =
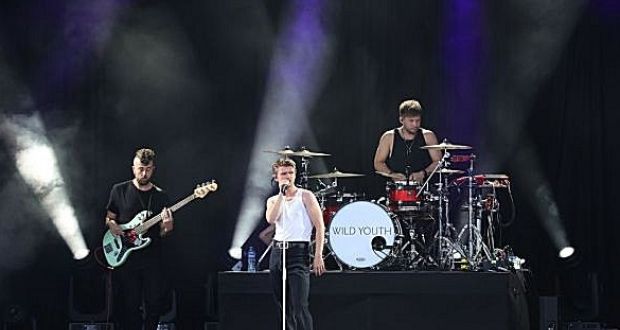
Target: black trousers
pixel 297 285
pixel 135 283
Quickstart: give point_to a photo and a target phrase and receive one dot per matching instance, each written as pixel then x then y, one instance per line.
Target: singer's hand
pixel 318 266
pixel 284 184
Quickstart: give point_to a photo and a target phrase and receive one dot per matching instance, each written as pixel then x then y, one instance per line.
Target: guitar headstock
pixel 203 189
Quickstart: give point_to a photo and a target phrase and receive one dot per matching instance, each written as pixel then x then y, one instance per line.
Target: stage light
pixel 235 253
pixel 37 164
pixel 298 70
pixel 566 252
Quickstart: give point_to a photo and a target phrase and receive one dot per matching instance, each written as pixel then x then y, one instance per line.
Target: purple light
pixel 607 8
pixel 463 71
pixel 85 28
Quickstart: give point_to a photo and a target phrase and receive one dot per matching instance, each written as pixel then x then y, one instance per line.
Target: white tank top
pixel 294 223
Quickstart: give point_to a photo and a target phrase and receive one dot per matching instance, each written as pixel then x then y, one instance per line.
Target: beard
pixel 143 182
pixel 411 130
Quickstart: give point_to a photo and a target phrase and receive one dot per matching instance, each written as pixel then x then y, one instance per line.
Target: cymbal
pixel 495 176
pixel 450 171
pixel 446 146
pixel 301 153
pixel 492 184
pixel 388 175
pixel 326 191
pixel 335 174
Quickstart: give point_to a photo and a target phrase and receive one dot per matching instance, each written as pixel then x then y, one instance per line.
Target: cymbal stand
pixel 303 175
pixel 470 207
pixel 473 230
pixel 443 204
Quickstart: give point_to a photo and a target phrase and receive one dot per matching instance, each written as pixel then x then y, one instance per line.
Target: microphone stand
pixel 284 247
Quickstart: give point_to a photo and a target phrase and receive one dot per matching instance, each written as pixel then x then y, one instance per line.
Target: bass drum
pixel 364 234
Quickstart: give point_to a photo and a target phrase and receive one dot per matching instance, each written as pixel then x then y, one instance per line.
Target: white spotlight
pixel 80 254
pixel 566 252
pixel 37 164
pixel 235 253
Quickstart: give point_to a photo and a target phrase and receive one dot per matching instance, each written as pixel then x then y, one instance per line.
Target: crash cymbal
pixel 309 154
pixel 287 152
pixel 335 174
pixel 446 146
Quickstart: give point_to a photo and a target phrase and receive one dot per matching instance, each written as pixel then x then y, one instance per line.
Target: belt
pixel 287 245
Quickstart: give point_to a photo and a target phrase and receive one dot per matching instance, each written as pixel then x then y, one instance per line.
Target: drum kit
pixel 411 227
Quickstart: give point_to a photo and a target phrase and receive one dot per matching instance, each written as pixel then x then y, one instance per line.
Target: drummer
pixel 398 153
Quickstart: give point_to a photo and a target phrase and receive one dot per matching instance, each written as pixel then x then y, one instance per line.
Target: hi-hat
pixel 287 152
pixel 335 174
pixel 388 175
pixel 495 176
pixel 449 171
pixel 445 145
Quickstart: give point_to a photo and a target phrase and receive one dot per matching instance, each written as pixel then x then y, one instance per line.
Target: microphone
pixel 378 243
pixel 283 188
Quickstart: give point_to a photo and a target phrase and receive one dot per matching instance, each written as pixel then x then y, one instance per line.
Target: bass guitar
pixel 117 248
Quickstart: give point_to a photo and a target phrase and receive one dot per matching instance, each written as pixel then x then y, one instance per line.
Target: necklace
pixel 409 146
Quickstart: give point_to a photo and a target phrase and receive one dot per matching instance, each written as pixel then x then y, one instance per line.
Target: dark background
pixel 188 78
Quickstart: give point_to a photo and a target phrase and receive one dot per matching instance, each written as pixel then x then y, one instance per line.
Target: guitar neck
pixel 154 220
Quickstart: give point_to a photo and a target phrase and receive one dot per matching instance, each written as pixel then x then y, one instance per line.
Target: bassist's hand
pixel 167 223
pixel 115 228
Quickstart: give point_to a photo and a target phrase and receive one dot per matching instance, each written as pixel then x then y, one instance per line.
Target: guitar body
pixel 117 248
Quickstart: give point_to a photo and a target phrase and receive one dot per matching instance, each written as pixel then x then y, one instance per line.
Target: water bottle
pixel 251 259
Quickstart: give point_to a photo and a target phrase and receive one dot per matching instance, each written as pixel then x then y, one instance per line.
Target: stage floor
pixel 379 300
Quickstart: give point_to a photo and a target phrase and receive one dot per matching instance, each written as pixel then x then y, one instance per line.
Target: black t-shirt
pixel 126 201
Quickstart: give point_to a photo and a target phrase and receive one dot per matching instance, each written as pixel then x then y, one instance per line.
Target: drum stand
pixel 473 230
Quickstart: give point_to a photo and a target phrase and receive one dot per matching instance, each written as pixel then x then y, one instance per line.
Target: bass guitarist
pixel 142 276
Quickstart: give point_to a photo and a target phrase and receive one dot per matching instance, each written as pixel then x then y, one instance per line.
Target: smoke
pixel 152 74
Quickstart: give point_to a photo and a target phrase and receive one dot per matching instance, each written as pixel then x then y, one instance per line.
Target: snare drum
pixel 364 234
pixel 403 196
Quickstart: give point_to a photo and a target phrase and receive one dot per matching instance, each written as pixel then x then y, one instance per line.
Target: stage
pixel 380 300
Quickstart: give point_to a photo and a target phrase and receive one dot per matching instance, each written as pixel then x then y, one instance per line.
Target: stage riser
pixel 383 300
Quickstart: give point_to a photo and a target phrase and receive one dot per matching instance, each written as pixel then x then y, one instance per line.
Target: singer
pixel 399 150
pixel 294 211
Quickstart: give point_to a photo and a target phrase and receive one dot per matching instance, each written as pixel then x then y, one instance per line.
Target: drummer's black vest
pixel 408 153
